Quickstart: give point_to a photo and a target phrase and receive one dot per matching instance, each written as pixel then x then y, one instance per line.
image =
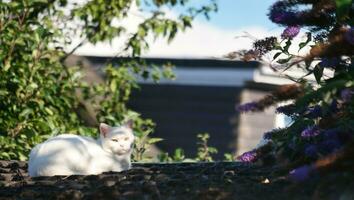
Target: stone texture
pixel 214 181
pixel 144 181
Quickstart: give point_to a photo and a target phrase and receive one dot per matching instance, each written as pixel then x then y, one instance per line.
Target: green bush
pixel 41 97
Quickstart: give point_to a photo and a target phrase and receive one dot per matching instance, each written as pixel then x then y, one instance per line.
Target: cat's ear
pixel 104 129
pixel 129 124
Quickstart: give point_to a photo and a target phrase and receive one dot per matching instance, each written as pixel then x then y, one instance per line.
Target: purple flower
pixel 301 173
pixel 248 157
pixel 280 13
pixel 346 95
pixel 289 18
pixel 311 131
pixel 290 32
pixel 330 62
pixel 247 107
pixel 349 36
pixel 314 112
pixel 311 151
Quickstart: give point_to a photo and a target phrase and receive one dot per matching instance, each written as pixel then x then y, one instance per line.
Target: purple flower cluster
pixel 311 131
pixel 248 157
pixel 280 13
pixel 330 62
pixel 329 144
pixel 282 17
pixel 346 95
pixel 265 45
pixel 290 32
pixel 349 36
pixel 301 173
pixel 247 107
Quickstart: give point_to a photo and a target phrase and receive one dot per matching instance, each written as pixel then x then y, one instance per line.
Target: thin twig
pixel 73 50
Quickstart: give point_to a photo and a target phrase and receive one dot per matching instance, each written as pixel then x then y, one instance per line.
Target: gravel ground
pixel 218 180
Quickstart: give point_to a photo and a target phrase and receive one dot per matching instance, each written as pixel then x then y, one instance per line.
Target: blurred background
pixel 208 86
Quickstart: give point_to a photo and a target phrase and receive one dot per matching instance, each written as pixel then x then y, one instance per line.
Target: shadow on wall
pixel 183 111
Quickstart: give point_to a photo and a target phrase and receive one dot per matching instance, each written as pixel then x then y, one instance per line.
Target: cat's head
pixel 118 140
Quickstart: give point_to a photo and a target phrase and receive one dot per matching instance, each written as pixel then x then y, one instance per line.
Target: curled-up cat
pixel 68 154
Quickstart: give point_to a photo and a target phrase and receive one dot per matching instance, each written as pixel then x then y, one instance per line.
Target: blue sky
pixel 213 39
pixel 225 31
pixel 235 14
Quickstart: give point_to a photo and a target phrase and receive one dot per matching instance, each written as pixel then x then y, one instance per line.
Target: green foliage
pixel 228 157
pixel 41 97
pixel 36 92
pixel 178 156
pixel 204 151
pixel 343 8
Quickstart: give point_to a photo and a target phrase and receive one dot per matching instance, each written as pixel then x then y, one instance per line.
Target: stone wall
pixel 145 181
pixel 153 181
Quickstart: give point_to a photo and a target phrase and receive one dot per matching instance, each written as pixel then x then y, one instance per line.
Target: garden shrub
pixel 322 111
pixel 40 96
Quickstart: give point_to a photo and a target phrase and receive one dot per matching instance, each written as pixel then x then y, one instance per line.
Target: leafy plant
pixel 205 152
pixel 40 96
pixel 178 156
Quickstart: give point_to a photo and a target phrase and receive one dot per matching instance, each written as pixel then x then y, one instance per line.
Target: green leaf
pixel 7 65
pixel 342 9
pixel 33 86
pixel 303 44
pixel 277 55
pixel 154 140
pixel 49 111
pixel 113 86
pixel 3 92
pixel 285 60
pixel 26 112
pixel 178 155
pixel 287 46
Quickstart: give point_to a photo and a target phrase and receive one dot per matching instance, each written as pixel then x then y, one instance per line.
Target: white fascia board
pixel 207 77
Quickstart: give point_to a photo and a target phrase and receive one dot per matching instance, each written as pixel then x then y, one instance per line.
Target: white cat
pixel 72 154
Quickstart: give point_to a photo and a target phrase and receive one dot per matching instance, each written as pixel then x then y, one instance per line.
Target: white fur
pixel 72 154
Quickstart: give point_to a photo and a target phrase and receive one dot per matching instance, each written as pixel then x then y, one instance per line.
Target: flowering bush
pixel 322 112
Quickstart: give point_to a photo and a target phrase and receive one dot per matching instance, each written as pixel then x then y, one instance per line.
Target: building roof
pixel 185 62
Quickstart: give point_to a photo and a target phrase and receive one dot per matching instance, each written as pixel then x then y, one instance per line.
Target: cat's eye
pixel 126 139
pixel 114 140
